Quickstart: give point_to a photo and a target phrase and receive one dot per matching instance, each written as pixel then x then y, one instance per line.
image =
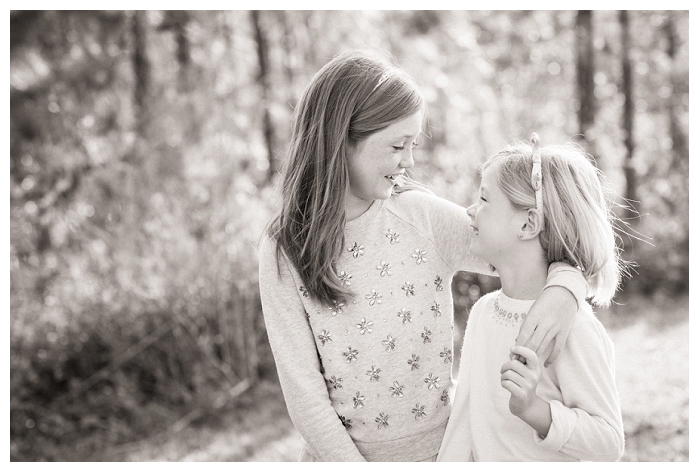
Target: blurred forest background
pixel 144 149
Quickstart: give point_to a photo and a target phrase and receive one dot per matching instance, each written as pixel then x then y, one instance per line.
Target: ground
pixel 651 339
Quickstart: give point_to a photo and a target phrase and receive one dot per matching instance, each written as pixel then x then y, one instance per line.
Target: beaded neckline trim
pixel 507 316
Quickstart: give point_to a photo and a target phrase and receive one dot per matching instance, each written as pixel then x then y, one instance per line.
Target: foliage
pixel 142 154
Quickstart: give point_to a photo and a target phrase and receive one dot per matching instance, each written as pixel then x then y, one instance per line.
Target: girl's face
pixel 495 222
pixel 376 162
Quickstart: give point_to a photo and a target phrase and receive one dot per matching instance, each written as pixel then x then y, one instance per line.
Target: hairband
pixel 384 77
pixel 536 170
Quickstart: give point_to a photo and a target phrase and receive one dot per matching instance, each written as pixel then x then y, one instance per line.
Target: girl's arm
pixel 587 423
pixel 298 366
pixel 546 327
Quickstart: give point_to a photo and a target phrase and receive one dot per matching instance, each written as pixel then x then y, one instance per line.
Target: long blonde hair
pixel 353 96
pixel 577 208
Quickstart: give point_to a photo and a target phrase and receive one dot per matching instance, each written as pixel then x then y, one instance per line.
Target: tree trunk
pixel 586 74
pixel 141 66
pixel 264 81
pixel 180 21
pixel 628 119
pixel 680 151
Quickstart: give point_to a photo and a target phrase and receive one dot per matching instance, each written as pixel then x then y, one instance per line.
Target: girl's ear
pixel 533 225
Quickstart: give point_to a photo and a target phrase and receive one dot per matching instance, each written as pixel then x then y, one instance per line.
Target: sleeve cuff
pixel 563 423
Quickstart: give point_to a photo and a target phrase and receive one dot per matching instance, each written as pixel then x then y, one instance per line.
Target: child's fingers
pixel 517 358
pixel 529 355
pixel 511 387
pixel 513 376
pixel 530 335
pixel 545 346
pixel 515 366
pixel 548 355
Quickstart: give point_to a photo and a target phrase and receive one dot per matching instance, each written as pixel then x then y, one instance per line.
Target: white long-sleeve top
pixel 579 387
pixel 370 379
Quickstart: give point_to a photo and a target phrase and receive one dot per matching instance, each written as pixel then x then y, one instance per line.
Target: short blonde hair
pixel 577 209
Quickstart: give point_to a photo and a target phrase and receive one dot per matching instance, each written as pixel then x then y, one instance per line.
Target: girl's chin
pixel 475 248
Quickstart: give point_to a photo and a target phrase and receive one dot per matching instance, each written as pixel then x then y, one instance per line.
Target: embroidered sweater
pixel 579 386
pixel 370 379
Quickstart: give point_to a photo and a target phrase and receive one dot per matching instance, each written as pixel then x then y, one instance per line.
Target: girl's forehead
pixel 404 129
pixel 488 177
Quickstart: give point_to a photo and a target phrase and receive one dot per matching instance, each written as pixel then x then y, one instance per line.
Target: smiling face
pixel 495 222
pixel 376 162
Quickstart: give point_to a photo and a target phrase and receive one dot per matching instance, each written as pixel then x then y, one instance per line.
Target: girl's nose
pixel 407 162
pixel 471 211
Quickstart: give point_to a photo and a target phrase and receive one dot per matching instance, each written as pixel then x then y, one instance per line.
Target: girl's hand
pixel 546 327
pixel 520 376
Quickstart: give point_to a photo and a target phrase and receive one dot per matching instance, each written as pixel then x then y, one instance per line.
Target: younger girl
pixel 535 207
pixel 355 273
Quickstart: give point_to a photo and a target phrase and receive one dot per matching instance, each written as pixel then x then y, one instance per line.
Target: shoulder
pixel 484 302
pixel 271 261
pixel 587 331
pixel 267 248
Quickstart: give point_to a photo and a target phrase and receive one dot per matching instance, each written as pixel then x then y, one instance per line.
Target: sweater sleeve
pixel 565 275
pixel 451 230
pixel 451 227
pixel 298 365
pixel 587 424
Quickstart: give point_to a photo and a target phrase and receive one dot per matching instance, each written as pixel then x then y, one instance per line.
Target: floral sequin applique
pixel 389 343
pixel 409 289
pixel 381 421
pixel 358 400
pixel 431 381
pixel 438 283
pixel 445 397
pixel 345 278
pixel 383 268
pixel 396 389
pixel 346 422
pixel 419 256
pixel 336 309
pixel 426 336
pixel 365 326
pixel 335 383
pixel 350 354
pixel 304 291
pixel 356 250
pixel 325 337
pixel 405 315
pixel 419 411
pixel 374 297
pixel 373 374
pixel 446 355
pixel 392 236
pixel 414 362
pixel 436 309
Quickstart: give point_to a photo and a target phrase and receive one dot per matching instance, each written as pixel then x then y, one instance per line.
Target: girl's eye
pixel 414 144
pixel 483 199
pixel 398 148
